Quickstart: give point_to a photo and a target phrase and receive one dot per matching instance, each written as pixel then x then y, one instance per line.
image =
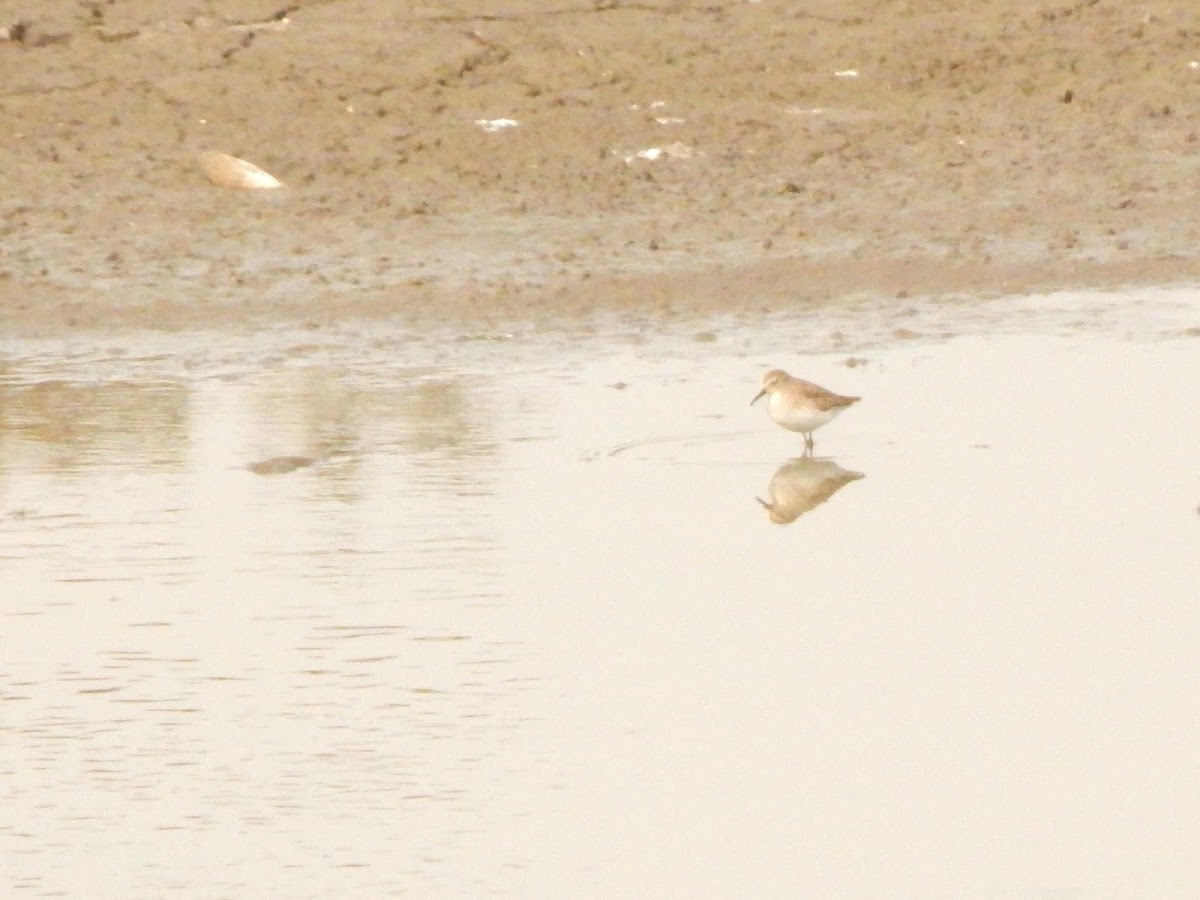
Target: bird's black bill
pixel 758 396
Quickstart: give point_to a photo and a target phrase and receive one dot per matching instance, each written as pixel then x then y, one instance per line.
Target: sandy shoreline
pixel 816 153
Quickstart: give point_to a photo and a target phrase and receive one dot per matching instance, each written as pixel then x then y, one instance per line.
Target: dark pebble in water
pixel 280 465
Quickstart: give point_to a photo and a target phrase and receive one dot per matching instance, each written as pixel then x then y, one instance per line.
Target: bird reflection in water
pixel 803 484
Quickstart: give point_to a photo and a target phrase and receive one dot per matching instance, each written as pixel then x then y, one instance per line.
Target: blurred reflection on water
pixel 258 665
pixel 801 485
pixel 65 426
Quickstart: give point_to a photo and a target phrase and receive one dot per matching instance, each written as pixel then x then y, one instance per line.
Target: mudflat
pixel 453 162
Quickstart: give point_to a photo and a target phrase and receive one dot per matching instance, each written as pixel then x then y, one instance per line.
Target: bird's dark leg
pixel 808 443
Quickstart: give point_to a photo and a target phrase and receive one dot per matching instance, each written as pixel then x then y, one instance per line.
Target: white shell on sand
pixel 231 172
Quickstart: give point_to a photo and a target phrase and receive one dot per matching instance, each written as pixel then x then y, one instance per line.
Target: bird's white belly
pixel 801 419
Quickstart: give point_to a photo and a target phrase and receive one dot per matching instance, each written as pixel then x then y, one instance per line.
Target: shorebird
pixel 800 405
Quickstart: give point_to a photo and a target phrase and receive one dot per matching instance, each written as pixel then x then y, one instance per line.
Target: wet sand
pixel 815 152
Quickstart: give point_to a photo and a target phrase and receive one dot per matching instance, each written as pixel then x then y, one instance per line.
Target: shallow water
pixel 522 628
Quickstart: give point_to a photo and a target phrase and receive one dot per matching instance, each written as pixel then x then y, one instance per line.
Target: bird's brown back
pixel 822 399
